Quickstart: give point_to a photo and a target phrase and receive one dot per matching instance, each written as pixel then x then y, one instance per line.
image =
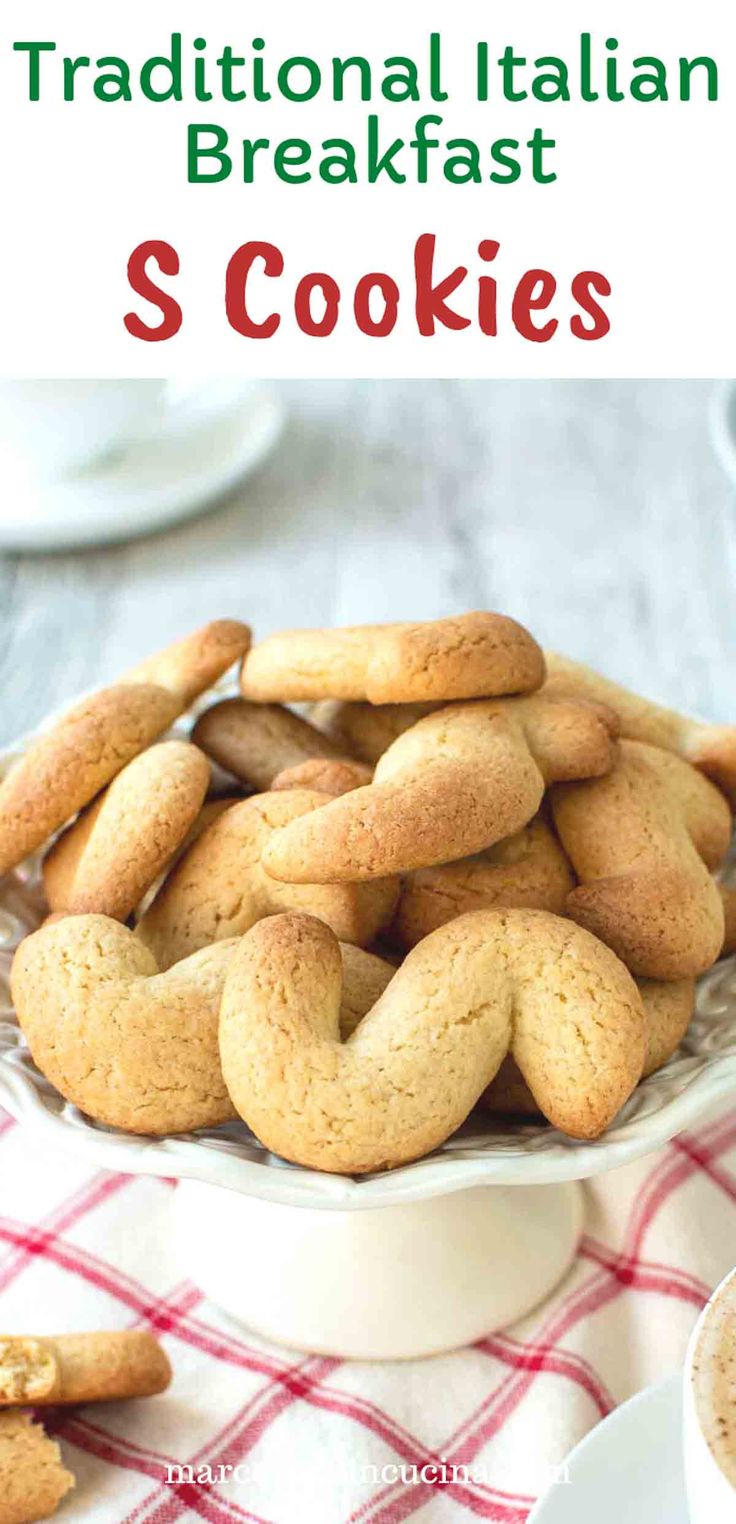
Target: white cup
pixel 57 428
pixel 709 1410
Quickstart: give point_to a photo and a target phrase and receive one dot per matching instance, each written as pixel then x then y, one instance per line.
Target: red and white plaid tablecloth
pixel 325 1440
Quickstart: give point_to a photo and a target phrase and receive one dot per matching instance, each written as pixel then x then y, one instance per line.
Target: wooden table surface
pixel 595 512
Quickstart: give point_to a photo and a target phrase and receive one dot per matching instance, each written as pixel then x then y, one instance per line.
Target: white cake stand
pixel 420 1259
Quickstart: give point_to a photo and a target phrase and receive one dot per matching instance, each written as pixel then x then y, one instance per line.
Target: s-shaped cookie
pixel 108 859
pixel 477 655
pixel 644 888
pixel 484 985
pixel 130 1046
pixel 459 780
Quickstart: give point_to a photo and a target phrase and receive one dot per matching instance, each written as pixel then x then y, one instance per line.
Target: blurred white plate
pixel 210 438
pixel 628 1468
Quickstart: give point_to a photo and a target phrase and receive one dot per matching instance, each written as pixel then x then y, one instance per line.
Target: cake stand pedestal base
pixel 386 1283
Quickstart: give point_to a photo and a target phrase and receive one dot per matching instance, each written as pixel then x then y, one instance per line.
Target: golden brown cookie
pixel 476 655
pixel 703 808
pixel 518 981
pixel 68 765
pixel 728 897
pixel 365 730
pixel 109 858
pixel 528 870
pixel 33 1479
pixel 644 889
pixel 364 979
pixel 129 1046
pixel 81 1368
pixel 210 811
pixel 219 888
pixel 711 748
pixel 668 1008
pixel 257 741
pixel 460 780
pixel 324 776
pixel 191 666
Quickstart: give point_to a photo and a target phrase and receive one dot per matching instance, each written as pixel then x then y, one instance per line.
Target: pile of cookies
pixel 461 872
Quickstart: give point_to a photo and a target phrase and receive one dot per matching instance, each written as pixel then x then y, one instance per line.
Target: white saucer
pixel 629 1467
pixel 211 437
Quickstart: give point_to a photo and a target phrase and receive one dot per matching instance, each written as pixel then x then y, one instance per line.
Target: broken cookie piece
pixel 33 1479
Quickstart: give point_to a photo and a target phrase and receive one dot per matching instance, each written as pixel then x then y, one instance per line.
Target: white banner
pixel 385 190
